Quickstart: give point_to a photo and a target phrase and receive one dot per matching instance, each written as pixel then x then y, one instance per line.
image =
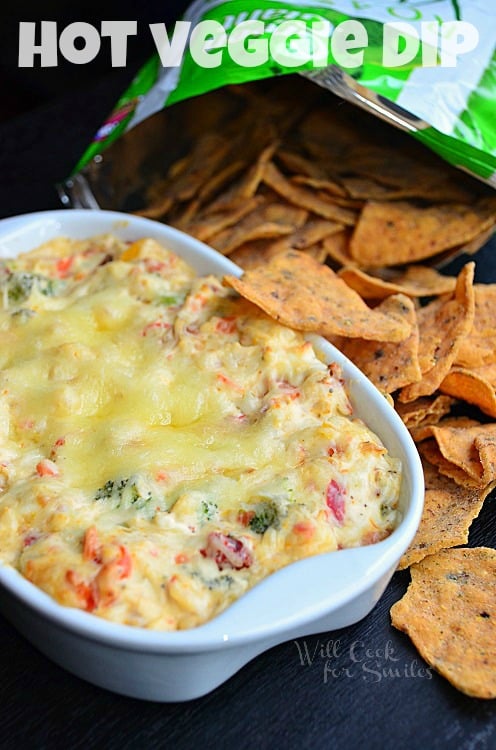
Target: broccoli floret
pixel 20 285
pixel 124 493
pixel 266 515
pixel 107 491
pixel 170 299
pixel 222 581
pixel 208 509
pixel 23 314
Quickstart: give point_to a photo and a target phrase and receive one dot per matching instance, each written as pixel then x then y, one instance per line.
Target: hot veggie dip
pixel 164 444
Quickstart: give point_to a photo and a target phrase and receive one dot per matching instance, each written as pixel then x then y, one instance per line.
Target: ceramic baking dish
pixel 314 595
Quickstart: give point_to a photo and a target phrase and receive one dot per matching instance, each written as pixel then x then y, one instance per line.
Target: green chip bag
pixel 426 67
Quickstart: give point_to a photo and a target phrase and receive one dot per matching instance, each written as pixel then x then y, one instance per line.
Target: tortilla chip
pixel 229 239
pixel 488 372
pixel 301 293
pixel 458 443
pixel 429 450
pixel 250 254
pixel 315 131
pixel 327 186
pixel 314 231
pixel 208 224
pixel 407 168
pixel 424 431
pixel 475 244
pixel 252 180
pixel 389 365
pixel 485 444
pixel 337 248
pixel 206 157
pixel 449 612
pixel 442 325
pixel 397 233
pixel 317 252
pixel 266 221
pixel 449 510
pixel 467 248
pixel 308 238
pixel 296 163
pixel 159 196
pixel 366 188
pixel 425 410
pixel 220 179
pixel 470 386
pixel 245 188
pixel 416 281
pixel 479 347
pixel 305 198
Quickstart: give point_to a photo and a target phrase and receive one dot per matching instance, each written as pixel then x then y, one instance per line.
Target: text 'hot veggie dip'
pixel 165 445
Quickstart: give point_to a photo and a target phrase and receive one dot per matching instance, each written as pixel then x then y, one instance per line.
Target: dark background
pixel 24 89
pixel 61 108
pixel 47 118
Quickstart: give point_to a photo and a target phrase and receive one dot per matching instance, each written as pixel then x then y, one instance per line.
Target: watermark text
pixel 308 41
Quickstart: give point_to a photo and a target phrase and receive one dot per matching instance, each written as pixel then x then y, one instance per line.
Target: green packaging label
pixel 427 67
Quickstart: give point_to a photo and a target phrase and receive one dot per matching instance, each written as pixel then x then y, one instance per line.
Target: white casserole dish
pixel 314 595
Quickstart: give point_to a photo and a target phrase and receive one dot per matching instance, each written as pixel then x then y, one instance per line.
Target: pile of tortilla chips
pixel 339 232
pixel 280 165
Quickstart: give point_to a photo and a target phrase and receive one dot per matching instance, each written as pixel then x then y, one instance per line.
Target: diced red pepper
pixel 336 500
pixel 86 592
pixel 31 538
pixel 226 325
pixel 153 266
pixel 123 562
pixel 230 383
pixel 155 324
pixel 306 529
pixel 64 265
pixel 245 516
pixel 92 548
pixel 58 444
pixel 47 468
pixel 227 551
pixel 115 570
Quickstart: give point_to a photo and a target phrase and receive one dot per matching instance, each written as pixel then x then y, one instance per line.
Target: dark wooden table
pixel 363 687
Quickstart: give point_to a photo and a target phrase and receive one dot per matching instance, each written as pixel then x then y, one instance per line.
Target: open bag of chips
pixel 343 226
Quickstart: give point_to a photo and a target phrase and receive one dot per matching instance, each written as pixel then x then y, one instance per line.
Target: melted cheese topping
pixel 164 445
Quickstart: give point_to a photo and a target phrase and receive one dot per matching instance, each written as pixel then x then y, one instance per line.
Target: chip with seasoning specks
pixel 425 410
pixel 472 386
pixel 388 365
pixel 479 347
pixel 304 197
pixel 461 443
pixel 393 233
pixel 449 612
pixel 443 324
pixel 301 293
pixel 416 281
pixel 430 451
pixel 449 510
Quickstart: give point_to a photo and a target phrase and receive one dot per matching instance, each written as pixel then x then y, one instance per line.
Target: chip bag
pixel 428 68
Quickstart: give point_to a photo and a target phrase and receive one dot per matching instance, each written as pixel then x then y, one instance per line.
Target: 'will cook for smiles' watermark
pixel 372 664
